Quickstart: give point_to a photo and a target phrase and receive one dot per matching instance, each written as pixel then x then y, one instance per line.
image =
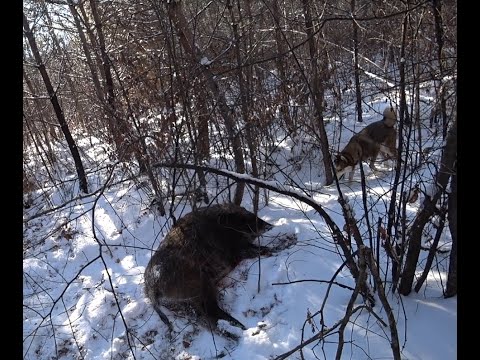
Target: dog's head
pixel 390 116
pixel 342 164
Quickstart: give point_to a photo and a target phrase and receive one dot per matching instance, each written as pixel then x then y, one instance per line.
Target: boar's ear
pixel 266 226
pixel 223 218
pixel 262 225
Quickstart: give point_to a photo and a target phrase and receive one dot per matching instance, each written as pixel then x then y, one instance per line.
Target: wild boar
pixel 200 249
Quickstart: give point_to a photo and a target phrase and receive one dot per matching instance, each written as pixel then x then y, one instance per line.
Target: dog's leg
pixel 390 143
pixel 384 149
pixel 350 174
pixel 343 171
pixel 389 152
pixel 373 159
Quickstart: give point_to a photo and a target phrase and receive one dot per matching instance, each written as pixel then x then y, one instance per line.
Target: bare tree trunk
pixel 186 38
pixel 50 153
pixel 279 62
pixel 86 51
pixel 56 106
pixel 393 249
pixel 432 251
pixel 373 267
pixel 116 123
pixel 84 18
pixel 139 148
pixel 428 210
pixel 317 91
pixel 358 91
pixel 109 89
pixel 452 224
pixel 437 14
pixel 118 126
pixel 401 69
pixel 78 114
pixel 38 146
pixel 418 122
pixel 203 141
pixel 244 105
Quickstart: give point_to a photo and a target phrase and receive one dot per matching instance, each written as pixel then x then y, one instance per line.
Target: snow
pixel 205 61
pixel 84 264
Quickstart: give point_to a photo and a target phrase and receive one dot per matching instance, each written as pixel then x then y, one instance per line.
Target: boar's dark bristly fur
pixel 200 249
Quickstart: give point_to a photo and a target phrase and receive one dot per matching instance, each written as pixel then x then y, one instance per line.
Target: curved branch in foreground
pixel 269 185
pixel 277 187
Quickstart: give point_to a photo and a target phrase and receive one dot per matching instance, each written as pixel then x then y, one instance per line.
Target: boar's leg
pixel 252 251
pixel 282 243
pixel 211 308
pixel 163 317
pixel 221 314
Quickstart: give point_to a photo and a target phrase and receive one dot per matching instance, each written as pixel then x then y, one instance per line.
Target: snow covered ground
pixel 84 263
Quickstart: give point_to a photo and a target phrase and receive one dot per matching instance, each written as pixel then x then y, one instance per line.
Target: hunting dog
pixel 378 137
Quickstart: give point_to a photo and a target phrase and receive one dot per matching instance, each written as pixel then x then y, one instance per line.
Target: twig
pixel 394 343
pixel 315 280
pixel 362 277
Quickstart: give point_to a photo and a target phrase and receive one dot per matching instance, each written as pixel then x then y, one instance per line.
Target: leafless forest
pixel 178 92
